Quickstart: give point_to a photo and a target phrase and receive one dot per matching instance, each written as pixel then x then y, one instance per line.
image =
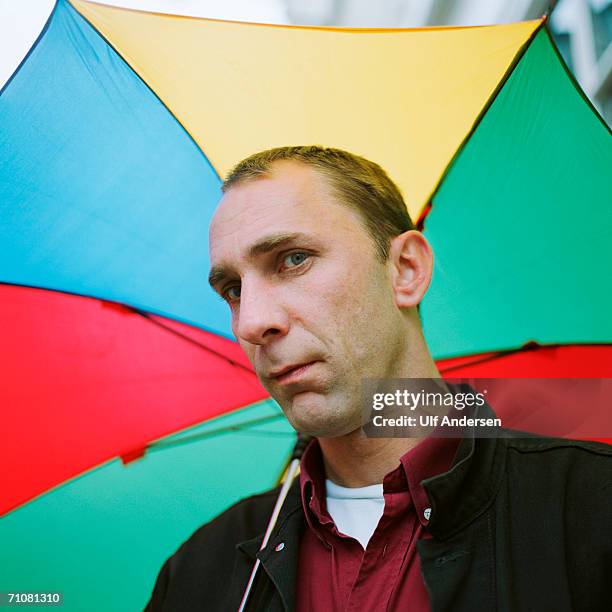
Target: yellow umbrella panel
pixel 405 98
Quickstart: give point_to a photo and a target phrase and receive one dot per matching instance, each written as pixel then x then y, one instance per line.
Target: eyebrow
pixel 265 245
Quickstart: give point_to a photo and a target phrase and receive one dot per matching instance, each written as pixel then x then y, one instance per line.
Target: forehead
pixel 293 198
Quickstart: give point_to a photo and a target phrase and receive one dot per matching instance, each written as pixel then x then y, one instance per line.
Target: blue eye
pixel 295 259
pixel 228 293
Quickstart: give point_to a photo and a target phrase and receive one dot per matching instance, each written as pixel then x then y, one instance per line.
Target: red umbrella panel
pixel 84 358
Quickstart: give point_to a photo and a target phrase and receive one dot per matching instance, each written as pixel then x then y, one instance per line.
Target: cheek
pixel 249 350
pixel 349 309
pixel 372 319
pixel 354 315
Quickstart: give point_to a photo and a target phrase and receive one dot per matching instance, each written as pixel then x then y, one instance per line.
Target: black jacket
pixel 519 523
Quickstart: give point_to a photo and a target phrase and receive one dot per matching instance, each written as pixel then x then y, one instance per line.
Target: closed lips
pixel 289 369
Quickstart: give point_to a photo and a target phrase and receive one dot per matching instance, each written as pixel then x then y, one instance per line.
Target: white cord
pixel 291 472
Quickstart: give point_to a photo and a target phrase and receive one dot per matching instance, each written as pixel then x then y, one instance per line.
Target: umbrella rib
pixel 268 433
pixel 193 341
pixel 528 347
pixel 481 115
pixel 552 4
pixel 215 432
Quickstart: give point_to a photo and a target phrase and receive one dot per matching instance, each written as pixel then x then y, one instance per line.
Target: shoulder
pixel 201 568
pixel 556 449
pixel 581 469
pixel 244 520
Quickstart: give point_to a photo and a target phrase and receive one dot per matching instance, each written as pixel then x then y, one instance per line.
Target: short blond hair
pixel 358 183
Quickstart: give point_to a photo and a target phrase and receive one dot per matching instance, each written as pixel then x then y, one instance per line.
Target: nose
pixel 260 317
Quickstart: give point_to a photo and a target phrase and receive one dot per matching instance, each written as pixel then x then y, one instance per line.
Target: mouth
pixel 292 374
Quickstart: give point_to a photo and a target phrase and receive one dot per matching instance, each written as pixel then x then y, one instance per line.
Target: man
pixel 318 260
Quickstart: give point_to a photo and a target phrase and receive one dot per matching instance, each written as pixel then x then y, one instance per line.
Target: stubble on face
pixel 339 310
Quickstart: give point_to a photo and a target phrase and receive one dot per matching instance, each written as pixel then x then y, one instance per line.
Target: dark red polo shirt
pixel 335 573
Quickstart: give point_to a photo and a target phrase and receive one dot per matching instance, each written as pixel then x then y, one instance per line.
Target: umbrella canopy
pixel 520 225
pixel 114 132
pixel 116 524
pixel 90 380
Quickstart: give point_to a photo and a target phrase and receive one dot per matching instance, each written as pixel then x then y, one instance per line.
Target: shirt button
pixel 427 513
pixel 279 547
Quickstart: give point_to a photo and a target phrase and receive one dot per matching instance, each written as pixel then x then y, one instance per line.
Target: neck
pixel 356 461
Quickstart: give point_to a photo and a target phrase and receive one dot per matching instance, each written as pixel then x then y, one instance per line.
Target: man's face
pixel 306 292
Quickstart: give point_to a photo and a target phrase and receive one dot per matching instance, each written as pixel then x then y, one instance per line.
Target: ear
pixel 411 260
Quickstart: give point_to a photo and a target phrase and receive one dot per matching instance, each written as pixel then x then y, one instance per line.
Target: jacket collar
pixel 286 520
pixel 279 558
pixel 464 492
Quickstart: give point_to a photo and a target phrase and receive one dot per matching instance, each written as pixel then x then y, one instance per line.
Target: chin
pixel 312 414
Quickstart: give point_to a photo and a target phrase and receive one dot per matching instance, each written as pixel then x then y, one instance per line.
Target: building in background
pixel 582 28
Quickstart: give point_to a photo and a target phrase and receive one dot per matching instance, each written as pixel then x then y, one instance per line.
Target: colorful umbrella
pixel 113 134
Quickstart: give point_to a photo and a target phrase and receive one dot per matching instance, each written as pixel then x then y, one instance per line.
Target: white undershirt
pixel 356 511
